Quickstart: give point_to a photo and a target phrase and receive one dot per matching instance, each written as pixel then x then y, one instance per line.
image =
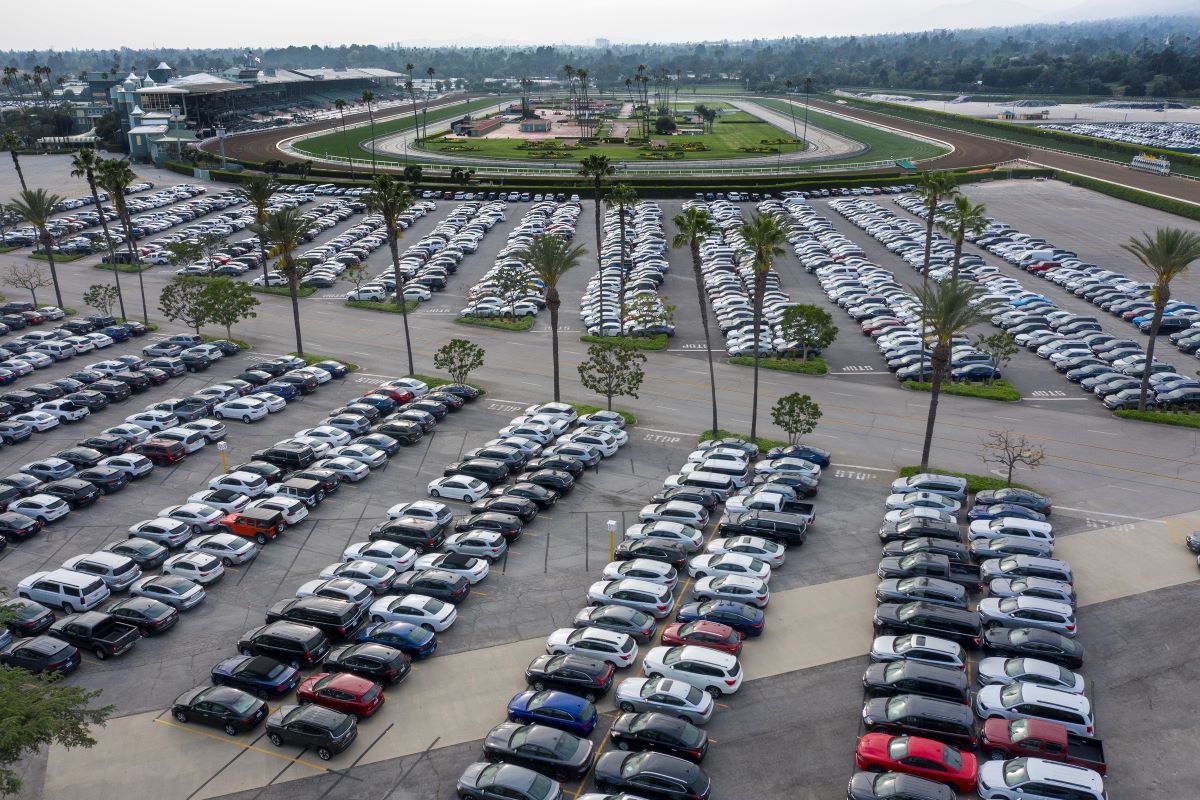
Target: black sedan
pixel 651 774
pixel 80 457
pixel 106 443
pixel 449 400
pixel 421 418
pixel 256 377
pixel 377 662
pixel 146 554
pixel 224 707
pixel 545 498
pixel 92 401
pixel 662 733
pixel 432 407
pixel 75 492
pixel 437 583
pixel 485 781
pixel 487 470
pixel 106 479
pixel 1034 643
pixel 547 750
pixel 504 524
pixel 1016 497
pixel 703 497
pixel 17 527
pixel 519 507
pixel 555 479
pixel 268 472
pixel 805 485
pixel 42 654
pixel 380 441
pixel 653 549
pixel 586 677
pixel 463 390
pixel 25 484
pixel 556 461
pixel 149 615
pixel 621 619
pixel 26 617
pixel 86 376
pixel 404 431
pixel 68 385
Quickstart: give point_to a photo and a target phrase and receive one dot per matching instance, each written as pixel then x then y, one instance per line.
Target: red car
pixel 342 691
pixel 914 755
pixel 401 396
pixel 713 635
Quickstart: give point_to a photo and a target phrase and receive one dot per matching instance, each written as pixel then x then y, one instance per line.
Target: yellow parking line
pixel 480 594
pixel 721 705
pixel 242 745
pixel 91 661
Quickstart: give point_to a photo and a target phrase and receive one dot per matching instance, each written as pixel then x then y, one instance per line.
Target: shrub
pixel 814 365
pixel 1183 420
pixel 522 324
pixel 999 390
pixel 763 444
pixel 656 342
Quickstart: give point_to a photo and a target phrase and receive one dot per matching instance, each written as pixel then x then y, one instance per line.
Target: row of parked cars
pixel 926 696
pixel 622 297
pixel 232 258
pixel 499 293
pixel 74 222
pixel 658 740
pixel 426 265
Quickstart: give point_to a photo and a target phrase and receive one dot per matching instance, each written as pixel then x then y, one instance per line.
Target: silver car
pixel 653 598
pixel 1003 671
pixel 347 469
pixel 372 457
pixel 1045 588
pixel 168 532
pixel 1028 612
pixel 478 543
pixel 179 593
pixel 231 549
pixel 668 696
pixel 199 516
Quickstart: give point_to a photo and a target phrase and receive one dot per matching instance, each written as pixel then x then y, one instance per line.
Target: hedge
pixel 523 324
pixel 313 358
pixel 813 365
pixel 975 483
pixel 59 259
pixel 433 382
pixel 303 291
pixel 584 408
pixel 1183 420
pixel 138 267
pixel 376 305
pixel 999 390
pixel 1148 199
pixel 656 342
pixel 763 444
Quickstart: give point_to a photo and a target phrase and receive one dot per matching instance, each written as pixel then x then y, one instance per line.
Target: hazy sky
pixel 67 24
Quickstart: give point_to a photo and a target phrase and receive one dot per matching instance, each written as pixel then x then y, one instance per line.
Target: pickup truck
pixel 933 566
pixel 1017 738
pixel 95 631
pixel 768 501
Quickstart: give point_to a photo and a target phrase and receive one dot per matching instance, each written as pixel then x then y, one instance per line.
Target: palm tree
pixel 84 165
pixel 693 227
pixel 808 82
pixel 964 218
pixel 932 188
pixel 791 106
pixel 36 206
pixel 1167 254
pixel 946 310
pixel 367 97
pixel 257 191
pixel 765 237
pixel 412 93
pixel 390 198
pixel 598 168
pixel 429 72
pixel 115 175
pixel 550 257
pixel 584 104
pixel 286 230
pixel 572 107
pixel 622 196
pixel 340 105
pixel 12 143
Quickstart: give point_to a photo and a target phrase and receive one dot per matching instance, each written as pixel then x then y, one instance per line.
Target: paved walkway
pixel 458 698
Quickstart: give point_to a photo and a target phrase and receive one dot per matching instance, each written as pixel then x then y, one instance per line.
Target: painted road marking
pixel 242 745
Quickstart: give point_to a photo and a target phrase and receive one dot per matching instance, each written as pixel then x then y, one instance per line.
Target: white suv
pixel 1027 700
pixel 713 671
pixel 1038 779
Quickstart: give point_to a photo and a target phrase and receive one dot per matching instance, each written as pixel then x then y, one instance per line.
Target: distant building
pixel 536 126
pixel 481 127
pixel 602 43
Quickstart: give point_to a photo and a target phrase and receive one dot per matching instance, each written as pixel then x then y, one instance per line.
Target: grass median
pixel 59 259
pixel 283 291
pixel 584 408
pixel 763 443
pixel 313 358
pixel 813 365
pixel 523 324
pixel 433 382
pixel 975 483
pixel 1182 419
pixel 378 305
pixel 151 327
pixel 239 342
pixel 1000 390
pixel 656 342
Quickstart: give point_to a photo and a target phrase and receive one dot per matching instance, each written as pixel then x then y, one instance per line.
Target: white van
pixel 1012 526
pixel 59 351
pixel 67 589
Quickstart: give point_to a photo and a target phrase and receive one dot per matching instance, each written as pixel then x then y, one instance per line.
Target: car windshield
pixel 1018 729
pixel 673 655
pixel 885 785
pixel 1015 772
pixel 633 764
pixel 1011 695
pixel 897 707
pixel 540 787
pixel 898 748
pixel 1008 605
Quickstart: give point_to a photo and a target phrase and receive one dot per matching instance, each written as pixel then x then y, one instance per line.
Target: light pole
pixel 221 139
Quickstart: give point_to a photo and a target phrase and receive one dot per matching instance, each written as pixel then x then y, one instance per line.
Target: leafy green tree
pixel 796 415
pixel 84 165
pixel 664 125
pixel 765 237
pixel 964 218
pixel 511 283
pixel 1167 255
pixel 811 327
pixel 286 230
pixel 648 310
pixel 459 358
pixel 258 191
pixel 101 297
pixel 550 257
pixel 357 274
pixel 181 301
pixel 29 277
pixel 1001 346
pixel 613 369
pixel 390 198
pixel 182 253
pixel 947 310
pixel 597 168
pixel 37 207
pixel 226 302
pixel 115 175
pixel 692 227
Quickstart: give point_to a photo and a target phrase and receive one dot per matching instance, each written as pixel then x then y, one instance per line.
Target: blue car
pixel 974 372
pixel 259 675
pixel 744 619
pixel 560 710
pixel 7 376
pixel 385 404
pixel 284 390
pixel 334 368
pixel 1036 300
pixel 117 333
pixel 806 452
pixel 998 510
pixel 409 639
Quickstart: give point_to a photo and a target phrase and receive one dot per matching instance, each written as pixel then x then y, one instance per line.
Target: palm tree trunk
pixel 958 244
pixel 262 246
pixel 553 302
pixel 1159 303
pixel 621 274
pixel 394 247
pixel 123 213
pixel 17 165
pixel 48 244
pixel 760 288
pixel 600 260
pixel 712 375
pixel 294 291
pixel 112 251
pixel 924 268
pixel 935 391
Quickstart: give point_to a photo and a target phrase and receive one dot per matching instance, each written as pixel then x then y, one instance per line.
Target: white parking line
pixel 872 469
pixel 1105 514
pixel 1102 433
